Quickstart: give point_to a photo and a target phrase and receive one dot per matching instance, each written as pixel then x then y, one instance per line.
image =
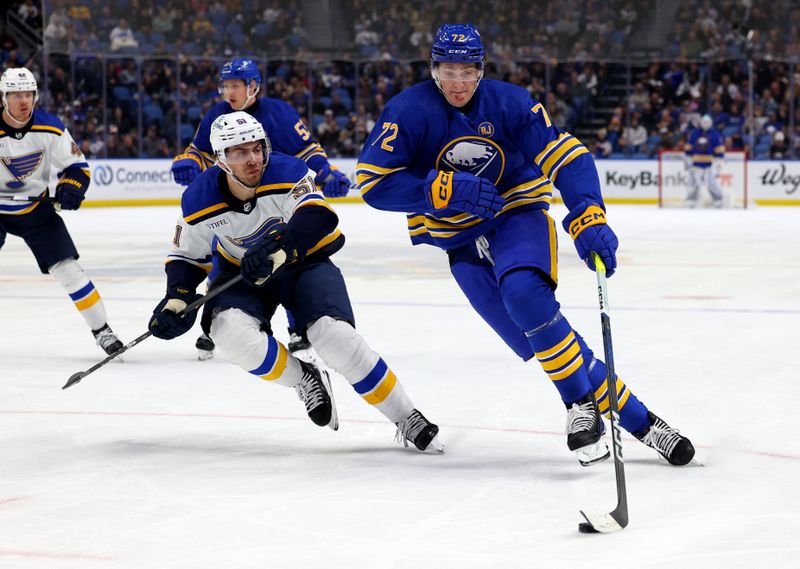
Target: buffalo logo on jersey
pixel 249 240
pixel 21 167
pixel 473 154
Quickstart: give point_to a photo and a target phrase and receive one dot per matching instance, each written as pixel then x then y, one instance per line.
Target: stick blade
pixel 601 523
pixel 74 378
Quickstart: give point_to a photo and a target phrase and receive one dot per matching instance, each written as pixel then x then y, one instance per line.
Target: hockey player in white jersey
pixel 32 140
pixel 260 214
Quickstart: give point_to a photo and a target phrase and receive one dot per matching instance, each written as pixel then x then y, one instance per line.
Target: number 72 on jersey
pixel 390 132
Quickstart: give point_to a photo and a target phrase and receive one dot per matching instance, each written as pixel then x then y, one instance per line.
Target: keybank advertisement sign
pixel 630 180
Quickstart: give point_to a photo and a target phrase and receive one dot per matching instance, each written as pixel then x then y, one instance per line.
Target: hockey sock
pixel 344 350
pixel 632 412
pixel 81 290
pixel 240 339
pixel 531 303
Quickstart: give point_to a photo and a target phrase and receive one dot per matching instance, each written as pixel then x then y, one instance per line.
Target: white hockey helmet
pixel 233 129
pixel 706 122
pixel 236 128
pixel 16 79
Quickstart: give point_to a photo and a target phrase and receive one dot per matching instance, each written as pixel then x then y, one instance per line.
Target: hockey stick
pixel 618 518
pixel 76 377
pixel 45 197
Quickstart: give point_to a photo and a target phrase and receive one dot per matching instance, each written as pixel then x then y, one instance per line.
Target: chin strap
pixel 248 100
pixel 224 167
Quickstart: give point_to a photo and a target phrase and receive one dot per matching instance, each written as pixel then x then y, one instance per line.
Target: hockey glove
pixel 462 191
pixel 264 258
pixel 587 225
pixel 334 183
pixel 70 192
pixel 185 168
pixel 165 323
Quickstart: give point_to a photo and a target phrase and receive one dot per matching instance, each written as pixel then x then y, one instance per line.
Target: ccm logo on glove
pixel 594 215
pixel 442 190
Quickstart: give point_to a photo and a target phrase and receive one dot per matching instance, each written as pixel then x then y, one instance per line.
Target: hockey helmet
pixel 706 122
pixel 243 69
pixel 457 43
pixel 233 129
pixel 18 79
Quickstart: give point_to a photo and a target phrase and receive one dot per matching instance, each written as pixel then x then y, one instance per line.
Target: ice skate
pixel 669 443
pixel 107 340
pixel 420 432
pixel 205 348
pixel 585 431
pixel 314 390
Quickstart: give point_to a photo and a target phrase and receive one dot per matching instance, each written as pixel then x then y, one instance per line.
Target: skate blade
pixel 205 355
pixel 435 446
pixel 326 381
pixel 593 454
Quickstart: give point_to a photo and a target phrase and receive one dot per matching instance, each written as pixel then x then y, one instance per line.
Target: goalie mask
pixel 231 130
pixel 457 43
pixel 706 122
pixel 16 80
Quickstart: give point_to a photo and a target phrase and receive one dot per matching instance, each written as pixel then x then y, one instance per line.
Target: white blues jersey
pixel 216 229
pixel 27 154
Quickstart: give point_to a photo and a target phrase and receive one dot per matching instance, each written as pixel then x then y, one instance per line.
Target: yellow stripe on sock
pixel 89 301
pixel 280 364
pixel 568 371
pixel 383 390
pixel 562 359
pixel 557 348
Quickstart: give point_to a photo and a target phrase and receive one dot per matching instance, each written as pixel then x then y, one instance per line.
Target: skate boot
pixel 423 434
pixel 585 431
pixel 297 343
pixel 107 340
pixel 205 348
pixel 669 443
pixel 314 390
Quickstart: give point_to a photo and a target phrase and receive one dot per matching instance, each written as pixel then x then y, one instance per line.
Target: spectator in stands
pixel 635 135
pixel 328 131
pixel 779 150
pixel 122 37
pixel 603 147
pixel 57 30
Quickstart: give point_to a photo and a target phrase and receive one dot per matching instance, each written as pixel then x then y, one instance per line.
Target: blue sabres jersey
pixel 286 132
pixel 704 146
pixel 215 229
pixel 502 135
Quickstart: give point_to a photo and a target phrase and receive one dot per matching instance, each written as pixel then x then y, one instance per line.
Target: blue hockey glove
pixel 165 323
pixel 334 183
pixel 264 258
pixel 185 168
pixel 586 224
pixel 464 192
pixel 69 193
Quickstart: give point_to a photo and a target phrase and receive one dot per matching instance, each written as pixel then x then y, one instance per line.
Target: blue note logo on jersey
pixel 21 167
pixel 249 240
pixel 474 154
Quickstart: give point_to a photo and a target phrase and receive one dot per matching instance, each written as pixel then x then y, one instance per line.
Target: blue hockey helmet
pixel 241 68
pixel 457 43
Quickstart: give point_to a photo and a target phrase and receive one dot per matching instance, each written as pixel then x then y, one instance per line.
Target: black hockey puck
pixel 585 527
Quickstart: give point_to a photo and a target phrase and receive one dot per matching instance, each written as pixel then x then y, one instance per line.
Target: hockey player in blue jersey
pixel 240 81
pixel 31 142
pixel 259 213
pixel 473 164
pixel 705 152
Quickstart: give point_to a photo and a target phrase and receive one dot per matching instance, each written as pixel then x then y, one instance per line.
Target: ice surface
pixel 166 462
